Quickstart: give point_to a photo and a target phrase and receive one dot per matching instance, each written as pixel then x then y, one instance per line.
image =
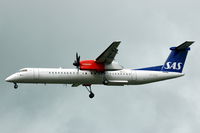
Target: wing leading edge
pixel 109 54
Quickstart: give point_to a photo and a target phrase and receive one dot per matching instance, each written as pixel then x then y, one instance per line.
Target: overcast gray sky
pixel 48 33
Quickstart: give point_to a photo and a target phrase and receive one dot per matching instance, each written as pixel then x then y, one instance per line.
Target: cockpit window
pixel 23 70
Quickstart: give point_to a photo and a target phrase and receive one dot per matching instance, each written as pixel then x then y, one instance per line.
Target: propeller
pixel 77 61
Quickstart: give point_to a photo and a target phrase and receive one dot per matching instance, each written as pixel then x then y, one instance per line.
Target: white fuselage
pixel 86 77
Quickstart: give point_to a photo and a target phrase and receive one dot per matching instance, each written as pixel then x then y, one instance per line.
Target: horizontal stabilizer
pixel 185 45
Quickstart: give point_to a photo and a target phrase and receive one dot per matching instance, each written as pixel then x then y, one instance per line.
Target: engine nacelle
pixel 91 65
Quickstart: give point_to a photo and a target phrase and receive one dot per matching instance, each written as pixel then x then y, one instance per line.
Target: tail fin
pixel 176 60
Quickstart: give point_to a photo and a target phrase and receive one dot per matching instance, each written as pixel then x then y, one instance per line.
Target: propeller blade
pixel 77 61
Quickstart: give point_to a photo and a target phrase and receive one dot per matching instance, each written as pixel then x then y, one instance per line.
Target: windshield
pixel 23 70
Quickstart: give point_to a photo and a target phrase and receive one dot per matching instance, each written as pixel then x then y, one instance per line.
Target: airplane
pixel 104 70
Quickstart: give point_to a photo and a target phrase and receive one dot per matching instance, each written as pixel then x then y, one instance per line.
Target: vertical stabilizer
pixel 176 60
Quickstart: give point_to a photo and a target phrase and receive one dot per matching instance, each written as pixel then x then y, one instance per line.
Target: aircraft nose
pixel 10 78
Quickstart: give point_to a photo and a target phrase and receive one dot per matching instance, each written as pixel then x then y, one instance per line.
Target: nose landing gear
pixel 15 85
pixel 88 87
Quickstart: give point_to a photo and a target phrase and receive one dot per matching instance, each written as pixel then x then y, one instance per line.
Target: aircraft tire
pixel 91 95
pixel 15 86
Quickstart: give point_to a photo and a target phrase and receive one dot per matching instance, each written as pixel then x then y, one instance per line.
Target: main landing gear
pixel 88 87
pixel 15 85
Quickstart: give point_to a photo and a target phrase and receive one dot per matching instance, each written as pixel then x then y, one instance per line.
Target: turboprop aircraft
pixel 105 71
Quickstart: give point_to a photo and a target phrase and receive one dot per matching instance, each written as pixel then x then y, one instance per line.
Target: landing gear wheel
pixel 15 85
pixel 91 95
pixel 88 87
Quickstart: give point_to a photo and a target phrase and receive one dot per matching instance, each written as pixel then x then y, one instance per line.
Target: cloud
pixel 49 33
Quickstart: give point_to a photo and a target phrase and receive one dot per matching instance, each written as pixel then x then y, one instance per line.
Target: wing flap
pixel 75 85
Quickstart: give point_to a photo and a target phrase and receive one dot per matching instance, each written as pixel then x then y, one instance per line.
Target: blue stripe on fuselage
pixel 154 68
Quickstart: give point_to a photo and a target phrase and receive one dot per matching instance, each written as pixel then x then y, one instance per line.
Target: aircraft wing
pixel 109 54
pixel 75 85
